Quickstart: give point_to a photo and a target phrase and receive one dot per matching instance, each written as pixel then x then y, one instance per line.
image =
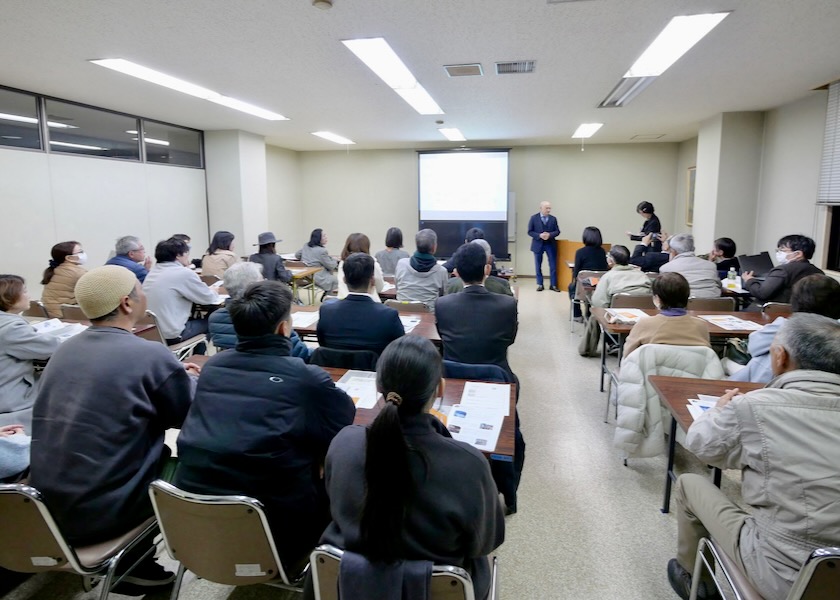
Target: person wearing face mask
pixel 673 325
pixel 793 254
pixel 60 277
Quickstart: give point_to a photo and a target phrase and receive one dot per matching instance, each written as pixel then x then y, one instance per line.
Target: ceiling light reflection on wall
pixel 332 137
pixel 22 119
pixel 453 134
pixel 587 130
pixel 382 60
pixel 79 146
pixel 185 87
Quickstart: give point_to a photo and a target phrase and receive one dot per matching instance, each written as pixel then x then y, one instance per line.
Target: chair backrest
pixel 819 577
pixel 448 583
pixel 632 301
pixel 32 541
pixel 36 309
pixel 457 370
pixel 362 360
pixel 210 279
pixel 777 309
pixel 151 317
pixel 72 312
pixel 723 304
pixel 405 306
pixel 224 539
pixel 583 276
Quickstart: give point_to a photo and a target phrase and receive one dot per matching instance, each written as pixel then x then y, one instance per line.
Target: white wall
pixel 285 203
pixel 790 169
pixel 50 198
pixel 686 157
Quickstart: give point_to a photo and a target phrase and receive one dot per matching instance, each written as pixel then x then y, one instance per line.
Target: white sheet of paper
pixel 626 315
pixel 304 319
pixel 63 331
pixel 731 323
pixel 495 396
pixel 695 411
pixel 288 256
pixel 476 427
pixel 409 322
pixel 388 287
pixel 361 389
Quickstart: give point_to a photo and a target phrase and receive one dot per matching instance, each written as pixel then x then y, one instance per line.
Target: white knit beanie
pixel 100 290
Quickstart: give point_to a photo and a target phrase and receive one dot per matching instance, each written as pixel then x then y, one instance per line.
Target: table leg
pixel 603 356
pixel 670 476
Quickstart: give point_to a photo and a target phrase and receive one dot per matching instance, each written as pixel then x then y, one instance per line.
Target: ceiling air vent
pixel 648 136
pixel 468 70
pixel 518 66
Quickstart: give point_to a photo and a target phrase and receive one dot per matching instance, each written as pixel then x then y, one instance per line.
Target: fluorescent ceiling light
pixel 22 119
pixel 453 134
pixel 146 74
pixel 327 135
pixel 675 40
pixel 79 146
pixel 587 130
pixel 382 60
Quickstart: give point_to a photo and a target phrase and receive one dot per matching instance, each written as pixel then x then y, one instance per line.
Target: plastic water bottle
pixel 732 279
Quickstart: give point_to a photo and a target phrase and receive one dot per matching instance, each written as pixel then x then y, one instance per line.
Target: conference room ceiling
pixel 287 56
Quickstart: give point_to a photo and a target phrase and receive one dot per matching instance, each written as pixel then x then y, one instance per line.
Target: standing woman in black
pixel 589 258
pixel 651 225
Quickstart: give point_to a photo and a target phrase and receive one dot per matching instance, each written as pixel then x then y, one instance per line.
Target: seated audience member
pixel 219 256
pixel 723 255
pixel 620 279
pixel 793 254
pixel 391 255
pixel 672 325
pixel 14 453
pixel 220 325
pixel 195 263
pixel 106 399
pixel 420 278
pixel 701 274
pixel 402 488
pixel 172 290
pixel 474 233
pixel 359 242
pixel 269 439
pixel 648 259
pixel 131 254
pixel 783 439
pixel 60 277
pixel 591 257
pixel 315 254
pixel 272 263
pixel 357 322
pixel 497 285
pixel 818 294
pixel 20 345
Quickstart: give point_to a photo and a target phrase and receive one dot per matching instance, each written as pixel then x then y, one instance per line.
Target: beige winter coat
pixel 218 262
pixel 62 287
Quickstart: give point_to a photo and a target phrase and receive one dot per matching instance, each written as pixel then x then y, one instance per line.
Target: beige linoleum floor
pixel 588 528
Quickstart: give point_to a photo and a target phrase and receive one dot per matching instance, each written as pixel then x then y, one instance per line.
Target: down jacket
pixel 640 426
pixel 62 287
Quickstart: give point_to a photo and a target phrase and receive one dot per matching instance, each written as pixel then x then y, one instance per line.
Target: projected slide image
pixel 464 186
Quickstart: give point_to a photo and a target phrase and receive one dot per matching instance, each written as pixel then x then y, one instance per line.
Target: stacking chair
pixel 182 349
pixel 224 539
pixel 362 360
pixel 36 309
pixel 643 301
pixel 32 542
pixel 72 312
pixel 776 309
pixel 580 292
pixel 405 306
pixel 819 577
pixel 448 582
pixel 721 304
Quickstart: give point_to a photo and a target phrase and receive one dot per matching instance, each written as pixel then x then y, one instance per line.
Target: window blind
pixel 829 191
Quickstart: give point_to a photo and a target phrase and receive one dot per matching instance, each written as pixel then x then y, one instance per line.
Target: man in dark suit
pixel 358 322
pixel 543 229
pixel 476 327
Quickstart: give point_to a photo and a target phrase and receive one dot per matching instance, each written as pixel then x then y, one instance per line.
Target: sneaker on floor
pixel 149 573
pixel 680 581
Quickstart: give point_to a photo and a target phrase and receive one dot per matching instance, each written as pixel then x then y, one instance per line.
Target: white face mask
pixel 81 257
pixel 781 257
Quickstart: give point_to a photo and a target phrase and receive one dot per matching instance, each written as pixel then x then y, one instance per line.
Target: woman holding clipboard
pixel 650 225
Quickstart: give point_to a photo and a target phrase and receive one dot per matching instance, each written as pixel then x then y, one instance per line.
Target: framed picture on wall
pixel 689 204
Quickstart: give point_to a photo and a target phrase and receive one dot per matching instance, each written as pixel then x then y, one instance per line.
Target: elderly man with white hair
pixel 237 279
pixel 131 254
pixel 702 275
pixel 497 285
pixel 783 438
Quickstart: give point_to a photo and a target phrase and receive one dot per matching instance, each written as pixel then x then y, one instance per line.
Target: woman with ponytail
pixel 423 495
pixel 61 276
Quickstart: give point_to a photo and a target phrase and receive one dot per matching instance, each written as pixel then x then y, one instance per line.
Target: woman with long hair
pixel 589 258
pixel 315 254
pixel 60 277
pixel 219 256
pixel 359 242
pixel 423 494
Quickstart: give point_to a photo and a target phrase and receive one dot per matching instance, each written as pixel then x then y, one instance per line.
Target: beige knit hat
pixel 100 290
